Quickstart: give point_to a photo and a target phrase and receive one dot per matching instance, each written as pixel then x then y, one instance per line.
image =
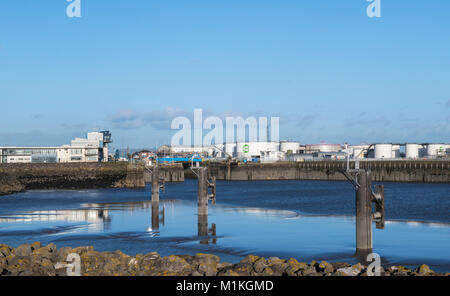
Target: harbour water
pixel 307 220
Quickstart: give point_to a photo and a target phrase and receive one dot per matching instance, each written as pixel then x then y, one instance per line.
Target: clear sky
pixel 326 69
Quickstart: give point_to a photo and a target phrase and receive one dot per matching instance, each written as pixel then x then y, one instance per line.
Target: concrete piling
pixel 155 215
pixel 363 213
pixel 202 191
pixel 155 183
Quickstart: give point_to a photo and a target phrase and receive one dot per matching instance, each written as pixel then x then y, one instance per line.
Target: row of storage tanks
pixel 411 150
pixel 380 151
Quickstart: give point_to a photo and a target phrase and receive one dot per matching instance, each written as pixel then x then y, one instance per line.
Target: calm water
pixel 302 219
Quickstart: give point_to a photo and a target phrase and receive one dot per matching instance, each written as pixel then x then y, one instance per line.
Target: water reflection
pixel 157 217
pixel 204 232
pixel 98 219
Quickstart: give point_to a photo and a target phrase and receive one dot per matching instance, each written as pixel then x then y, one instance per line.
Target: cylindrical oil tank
pixel 412 150
pixel 324 147
pixel 435 149
pixel 383 150
pixel 289 146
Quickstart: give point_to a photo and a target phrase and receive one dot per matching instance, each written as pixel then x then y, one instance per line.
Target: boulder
pixel 325 267
pixel 23 250
pixel 173 265
pixel 5 250
pixel 353 270
pixel 259 266
pixel 244 269
pixel 424 270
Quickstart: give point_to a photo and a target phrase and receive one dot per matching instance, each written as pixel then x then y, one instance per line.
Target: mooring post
pixel 363 213
pixel 202 224
pixel 203 191
pixel 155 183
pixel 155 215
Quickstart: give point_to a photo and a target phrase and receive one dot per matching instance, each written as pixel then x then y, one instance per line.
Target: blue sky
pixel 327 70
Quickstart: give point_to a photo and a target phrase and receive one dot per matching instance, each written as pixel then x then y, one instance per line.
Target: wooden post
pixel 202 224
pixel 379 206
pixel 363 213
pixel 155 215
pixel 155 183
pixel 202 192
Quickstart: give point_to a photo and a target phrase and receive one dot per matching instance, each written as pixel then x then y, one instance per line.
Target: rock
pixel 401 271
pixel 19 266
pixel 5 250
pixel 337 265
pixel 172 265
pixel 223 265
pixel 391 270
pixel 308 271
pixel 292 267
pixel 228 271
pixel 325 267
pixel 36 245
pixel 208 269
pixel 353 270
pixel 3 264
pixel 43 267
pixel 259 266
pixel 278 266
pixel 267 272
pixel 231 273
pixel 34 259
pixel 23 250
pixel 250 259
pixel 62 253
pixel 243 268
pixel 81 250
pixel 275 260
pixel 424 270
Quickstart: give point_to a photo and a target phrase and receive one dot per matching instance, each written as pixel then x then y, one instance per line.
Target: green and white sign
pixel 245 148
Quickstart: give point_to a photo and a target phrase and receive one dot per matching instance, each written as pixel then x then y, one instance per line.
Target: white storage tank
pixel 289 146
pixel 324 147
pixel 383 151
pixel 435 149
pixel 412 150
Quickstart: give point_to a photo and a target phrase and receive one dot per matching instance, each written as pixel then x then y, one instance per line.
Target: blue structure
pixel 178 159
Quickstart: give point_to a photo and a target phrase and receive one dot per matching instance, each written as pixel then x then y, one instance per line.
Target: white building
pixel 94 148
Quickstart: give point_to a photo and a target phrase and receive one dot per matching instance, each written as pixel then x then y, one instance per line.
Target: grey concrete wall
pixel 428 171
pixel 170 172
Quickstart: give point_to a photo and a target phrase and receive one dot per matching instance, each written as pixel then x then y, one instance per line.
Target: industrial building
pixel 294 151
pixel 93 148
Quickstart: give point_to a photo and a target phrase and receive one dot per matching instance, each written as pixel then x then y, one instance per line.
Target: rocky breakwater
pixel 36 260
pixel 20 177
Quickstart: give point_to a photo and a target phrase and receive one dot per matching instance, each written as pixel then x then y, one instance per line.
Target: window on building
pixel 76 151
